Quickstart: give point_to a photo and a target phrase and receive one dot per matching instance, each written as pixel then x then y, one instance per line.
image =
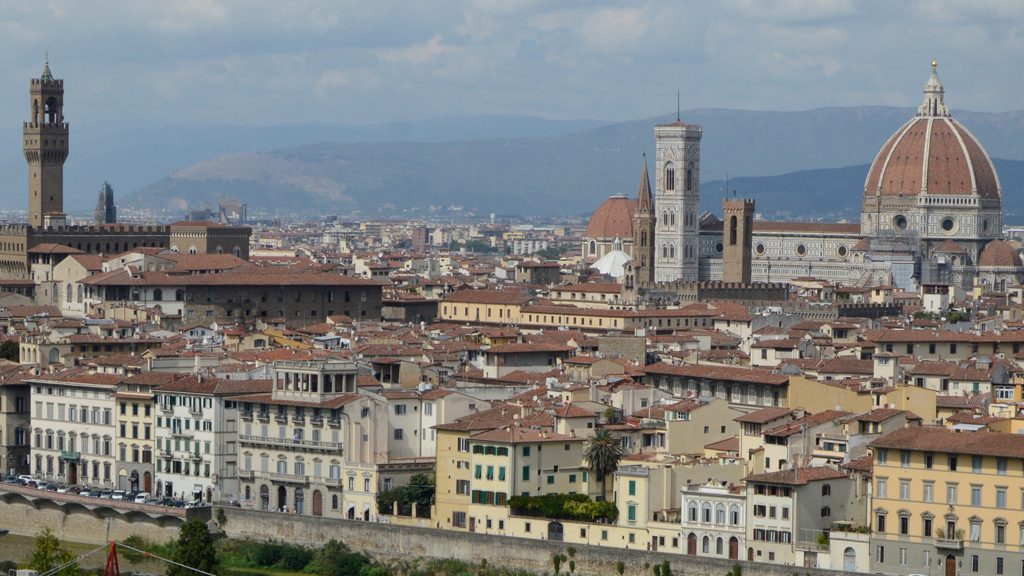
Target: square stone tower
pixel 46 149
pixel 737 235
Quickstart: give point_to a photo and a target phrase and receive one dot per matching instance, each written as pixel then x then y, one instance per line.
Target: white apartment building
pixel 197 436
pixel 714 520
pixel 313 444
pixel 73 427
pixel 412 415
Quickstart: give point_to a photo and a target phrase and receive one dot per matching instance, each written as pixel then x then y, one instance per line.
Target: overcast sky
pixel 133 63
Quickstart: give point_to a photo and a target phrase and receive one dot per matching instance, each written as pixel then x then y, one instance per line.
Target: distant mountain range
pixel 807 164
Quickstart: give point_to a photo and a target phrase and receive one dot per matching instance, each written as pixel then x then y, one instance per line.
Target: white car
pixel 117 495
pixel 141 497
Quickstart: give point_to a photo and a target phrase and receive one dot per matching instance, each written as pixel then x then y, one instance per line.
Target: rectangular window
pixel 904 490
pixel 631 513
pixel 881 487
pixel 929 492
pixel 880 554
pixel 952 463
pixel 478 472
pixel 951 494
pixel 880 523
pixel 632 487
pixel 975 495
pixel 905 458
pixel 1001 466
pixel 976 464
pixel 1001 498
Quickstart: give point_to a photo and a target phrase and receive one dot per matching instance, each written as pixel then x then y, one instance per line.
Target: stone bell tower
pixel 46 149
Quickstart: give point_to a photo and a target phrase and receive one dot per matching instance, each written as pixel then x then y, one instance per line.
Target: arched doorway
pixel 750 554
pixel 351 513
pixel 318 505
pixel 850 560
pixel 556 532
pixel 691 544
pixel 147 482
pixel 133 481
pixel 282 498
pixel 300 500
pixel 264 498
pixel 734 548
pixel 72 472
pixel 366 515
pixel 950 565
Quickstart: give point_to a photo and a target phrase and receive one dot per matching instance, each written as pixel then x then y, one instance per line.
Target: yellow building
pixel 947 502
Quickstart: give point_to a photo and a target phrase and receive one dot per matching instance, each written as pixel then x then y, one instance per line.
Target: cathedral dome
pixel 933 154
pixel 612 219
pixel 999 254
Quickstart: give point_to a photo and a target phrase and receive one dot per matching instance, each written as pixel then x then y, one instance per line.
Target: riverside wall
pixel 394 542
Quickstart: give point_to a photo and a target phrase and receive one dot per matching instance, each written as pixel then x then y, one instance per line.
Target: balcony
pixel 263 416
pixel 281 417
pixel 163 453
pixel 288 478
pixel 334 422
pixel 949 543
pixel 245 415
pixel 178 433
pixel 316 420
pixel 299 420
pixel 246 474
pixel 166 408
pixel 288 442
pixel 195 457
pixel 195 411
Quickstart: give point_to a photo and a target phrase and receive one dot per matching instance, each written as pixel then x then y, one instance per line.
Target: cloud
pixel 418 53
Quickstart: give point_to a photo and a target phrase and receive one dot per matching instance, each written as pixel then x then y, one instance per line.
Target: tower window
pixel 689 179
pixel 670 178
pixel 733 225
pixel 672 218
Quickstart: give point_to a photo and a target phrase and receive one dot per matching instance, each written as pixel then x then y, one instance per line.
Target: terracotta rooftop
pixel 940 439
pixel 798 476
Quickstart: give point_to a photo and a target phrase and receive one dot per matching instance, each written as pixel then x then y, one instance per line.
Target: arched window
pixel 826 489
pixel 158 294
pixel 705 545
pixel 693 511
pixel 720 514
pixel 706 513
pixel 734 515
pixel 68 293
pixel 689 179
pixel 179 295
pixel 643 238
pixel 192 250
pixel 664 251
pixel 826 511
pixel 670 177
pixel 593 247
pixel 672 218
pixel 719 546
pixel 672 251
pixel 81 291
pixel 732 230
pixel 237 252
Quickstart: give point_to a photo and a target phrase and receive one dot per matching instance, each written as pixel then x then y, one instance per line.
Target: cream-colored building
pixel 135 433
pixel 73 427
pixel 947 502
pixel 313 443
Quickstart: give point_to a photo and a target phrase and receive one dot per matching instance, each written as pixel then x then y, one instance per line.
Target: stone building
pixel 46 145
pixel 106 211
pixel 15 421
pixel 932 203
pixel 313 444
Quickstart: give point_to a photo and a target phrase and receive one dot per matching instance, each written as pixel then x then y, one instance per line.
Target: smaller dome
pixel 999 254
pixel 612 219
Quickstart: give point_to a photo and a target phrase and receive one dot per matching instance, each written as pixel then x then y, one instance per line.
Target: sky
pixel 137 64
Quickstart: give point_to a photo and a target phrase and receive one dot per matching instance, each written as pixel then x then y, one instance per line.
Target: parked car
pixel 152 501
pixel 141 497
pixel 195 504
pixel 117 495
pixel 52 487
pixel 41 485
pixel 74 490
pixel 62 489
pixel 106 494
pixel 25 478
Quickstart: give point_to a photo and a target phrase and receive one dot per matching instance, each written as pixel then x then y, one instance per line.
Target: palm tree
pixel 603 452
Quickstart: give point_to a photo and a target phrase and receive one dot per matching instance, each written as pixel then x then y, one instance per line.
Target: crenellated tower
pixel 46 149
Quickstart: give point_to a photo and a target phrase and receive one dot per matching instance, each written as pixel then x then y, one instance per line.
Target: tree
pixel 194 548
pixel 9 350
pixel 603 452
pixel 49 554
pixel 419 491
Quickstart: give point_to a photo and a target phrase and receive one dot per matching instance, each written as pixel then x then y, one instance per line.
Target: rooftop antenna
pixel 678 119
